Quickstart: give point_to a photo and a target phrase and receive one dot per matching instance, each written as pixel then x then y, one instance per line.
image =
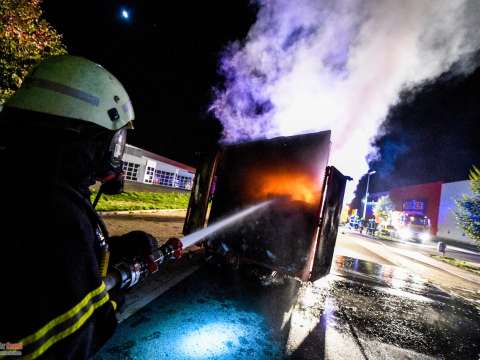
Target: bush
pixel 383 208
pixel 468 208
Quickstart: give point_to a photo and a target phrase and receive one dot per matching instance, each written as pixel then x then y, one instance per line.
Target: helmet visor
pixel 117 146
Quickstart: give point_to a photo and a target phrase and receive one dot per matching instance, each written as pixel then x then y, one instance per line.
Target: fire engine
pixel 412 226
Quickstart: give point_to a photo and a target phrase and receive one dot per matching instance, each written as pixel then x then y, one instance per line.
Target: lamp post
pixel 366 194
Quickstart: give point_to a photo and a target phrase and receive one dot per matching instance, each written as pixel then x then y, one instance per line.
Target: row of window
pixel 164 178
pixel 131 171
pixel 159 177
pixel 184 182
pixel 149 175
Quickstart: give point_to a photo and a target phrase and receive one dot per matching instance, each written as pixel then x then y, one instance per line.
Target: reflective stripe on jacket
pixel 64 325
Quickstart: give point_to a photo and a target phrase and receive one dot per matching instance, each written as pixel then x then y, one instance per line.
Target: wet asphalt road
pixel 427 248
pixel 362 310
pixel 416 259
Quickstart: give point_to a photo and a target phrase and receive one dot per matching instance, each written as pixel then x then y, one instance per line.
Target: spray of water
pixel 311 65
pixel 199 235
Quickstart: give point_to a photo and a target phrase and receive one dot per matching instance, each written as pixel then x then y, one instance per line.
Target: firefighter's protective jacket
pixel 54 303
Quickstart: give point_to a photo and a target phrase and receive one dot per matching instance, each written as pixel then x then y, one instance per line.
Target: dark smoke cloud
pixel 430 136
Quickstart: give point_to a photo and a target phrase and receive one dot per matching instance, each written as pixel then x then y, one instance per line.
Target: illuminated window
pixel 183 182
pixel 164 178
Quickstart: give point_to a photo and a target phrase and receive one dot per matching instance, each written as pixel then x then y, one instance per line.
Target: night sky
pixel 166 55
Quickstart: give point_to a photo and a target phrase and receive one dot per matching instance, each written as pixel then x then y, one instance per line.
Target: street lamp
pixel 366 194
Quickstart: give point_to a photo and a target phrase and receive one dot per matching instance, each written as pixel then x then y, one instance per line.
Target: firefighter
pixel 371 226
pixel 64 129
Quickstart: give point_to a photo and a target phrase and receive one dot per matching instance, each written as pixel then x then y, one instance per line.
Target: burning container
pixel 295 233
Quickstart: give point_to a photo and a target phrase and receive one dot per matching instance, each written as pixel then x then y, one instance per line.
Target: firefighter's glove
pixel 135 244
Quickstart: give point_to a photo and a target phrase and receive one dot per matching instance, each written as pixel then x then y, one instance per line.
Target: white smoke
pixel 311 65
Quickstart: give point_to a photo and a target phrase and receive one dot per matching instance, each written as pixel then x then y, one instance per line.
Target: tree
pixel 468 208
pixel 383 208
pixel 25 39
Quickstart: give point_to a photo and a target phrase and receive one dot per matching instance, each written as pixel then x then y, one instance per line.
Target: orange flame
pixel 298 187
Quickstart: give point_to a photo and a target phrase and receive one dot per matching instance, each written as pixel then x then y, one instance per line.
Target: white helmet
pixel 77 88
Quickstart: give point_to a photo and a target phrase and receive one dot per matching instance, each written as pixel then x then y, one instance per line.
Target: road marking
pixel 425 260
pixel 463 250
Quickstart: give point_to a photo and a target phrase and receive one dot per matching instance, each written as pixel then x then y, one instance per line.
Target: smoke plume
pixel 311 65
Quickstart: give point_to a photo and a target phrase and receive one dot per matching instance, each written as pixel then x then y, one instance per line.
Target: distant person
pixel 371 226
pixel 360 226
pixel 64 129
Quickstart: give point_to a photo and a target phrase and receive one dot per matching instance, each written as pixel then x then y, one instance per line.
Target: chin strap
pixel 99 194
pixel 111 185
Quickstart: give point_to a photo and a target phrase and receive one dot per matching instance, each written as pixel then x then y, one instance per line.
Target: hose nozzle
pixel 172 249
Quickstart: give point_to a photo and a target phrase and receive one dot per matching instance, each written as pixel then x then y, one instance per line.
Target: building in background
pixel 435 200
pixel 146 167
pixel 447 224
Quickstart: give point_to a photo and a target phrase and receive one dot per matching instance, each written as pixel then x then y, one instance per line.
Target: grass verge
pixel 128 201
pixel 458 263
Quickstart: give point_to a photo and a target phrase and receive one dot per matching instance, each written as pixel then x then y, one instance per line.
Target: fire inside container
pixel 292 173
